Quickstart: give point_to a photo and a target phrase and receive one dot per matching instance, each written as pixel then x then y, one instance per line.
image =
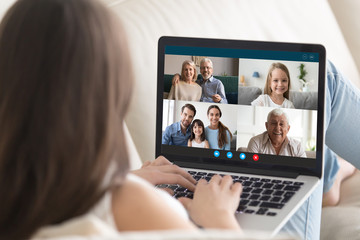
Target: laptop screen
pixel 241 106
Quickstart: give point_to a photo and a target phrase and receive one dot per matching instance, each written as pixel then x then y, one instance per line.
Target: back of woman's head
pixel 65 87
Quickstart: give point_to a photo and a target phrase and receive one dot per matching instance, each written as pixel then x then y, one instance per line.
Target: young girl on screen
pixel 197 138
pixel 277 88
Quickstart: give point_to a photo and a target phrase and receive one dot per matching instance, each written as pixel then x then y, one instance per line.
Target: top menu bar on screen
pixel 243 53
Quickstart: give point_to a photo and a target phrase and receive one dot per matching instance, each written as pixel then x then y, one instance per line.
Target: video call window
pixel 244 114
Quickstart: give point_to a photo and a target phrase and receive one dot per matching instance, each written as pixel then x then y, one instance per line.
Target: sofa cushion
pixel 304 100
pixel 247 94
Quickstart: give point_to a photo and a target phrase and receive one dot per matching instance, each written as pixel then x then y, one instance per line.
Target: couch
pixel 331 23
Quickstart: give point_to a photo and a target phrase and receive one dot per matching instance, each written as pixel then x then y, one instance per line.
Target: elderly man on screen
pixel 274 140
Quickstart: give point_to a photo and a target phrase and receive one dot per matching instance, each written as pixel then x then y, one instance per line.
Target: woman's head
pixel 65 86
pixel 188 71
pixel 197 128
pixel 214 115
pixel 278 80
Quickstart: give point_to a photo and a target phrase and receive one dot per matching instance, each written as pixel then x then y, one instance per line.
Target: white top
pixel 265 101
pixel 199 145
pixel 262 144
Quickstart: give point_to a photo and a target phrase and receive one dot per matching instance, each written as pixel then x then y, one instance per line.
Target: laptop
pixel 274 186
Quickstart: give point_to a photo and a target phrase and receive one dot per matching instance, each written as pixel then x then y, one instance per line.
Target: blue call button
pixel 229 154
pixel 242 156
pixel 216 153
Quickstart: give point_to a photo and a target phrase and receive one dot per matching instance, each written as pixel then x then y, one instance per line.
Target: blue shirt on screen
pixel 212 137
pixel 211 87
pixel 173 135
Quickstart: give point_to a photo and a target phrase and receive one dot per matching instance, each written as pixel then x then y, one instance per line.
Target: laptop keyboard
pixel 262 196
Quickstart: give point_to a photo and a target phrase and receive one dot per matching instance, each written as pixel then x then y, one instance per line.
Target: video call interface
pixel 237 105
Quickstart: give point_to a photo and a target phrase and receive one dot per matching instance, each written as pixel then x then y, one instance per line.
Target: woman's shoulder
pixel 208 129
pixel 135 186
pixel 138 195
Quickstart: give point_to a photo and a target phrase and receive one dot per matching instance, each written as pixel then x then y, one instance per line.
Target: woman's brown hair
pixel 65 80
pixel 267 88
pixel 222 137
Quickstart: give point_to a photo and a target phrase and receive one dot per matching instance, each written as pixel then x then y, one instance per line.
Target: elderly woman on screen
pixel 186 89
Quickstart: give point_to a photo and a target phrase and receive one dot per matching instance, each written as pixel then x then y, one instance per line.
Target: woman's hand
pixel 175 79
pixel 214 203
pixel 161 171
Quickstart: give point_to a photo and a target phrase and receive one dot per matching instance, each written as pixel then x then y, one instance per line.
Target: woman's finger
pixel 172 178
pixel 177 170
pixel 216 179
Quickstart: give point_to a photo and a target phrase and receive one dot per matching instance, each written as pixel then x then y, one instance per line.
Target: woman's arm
pixel 171 95
pixel 161 171
pixel 138 206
